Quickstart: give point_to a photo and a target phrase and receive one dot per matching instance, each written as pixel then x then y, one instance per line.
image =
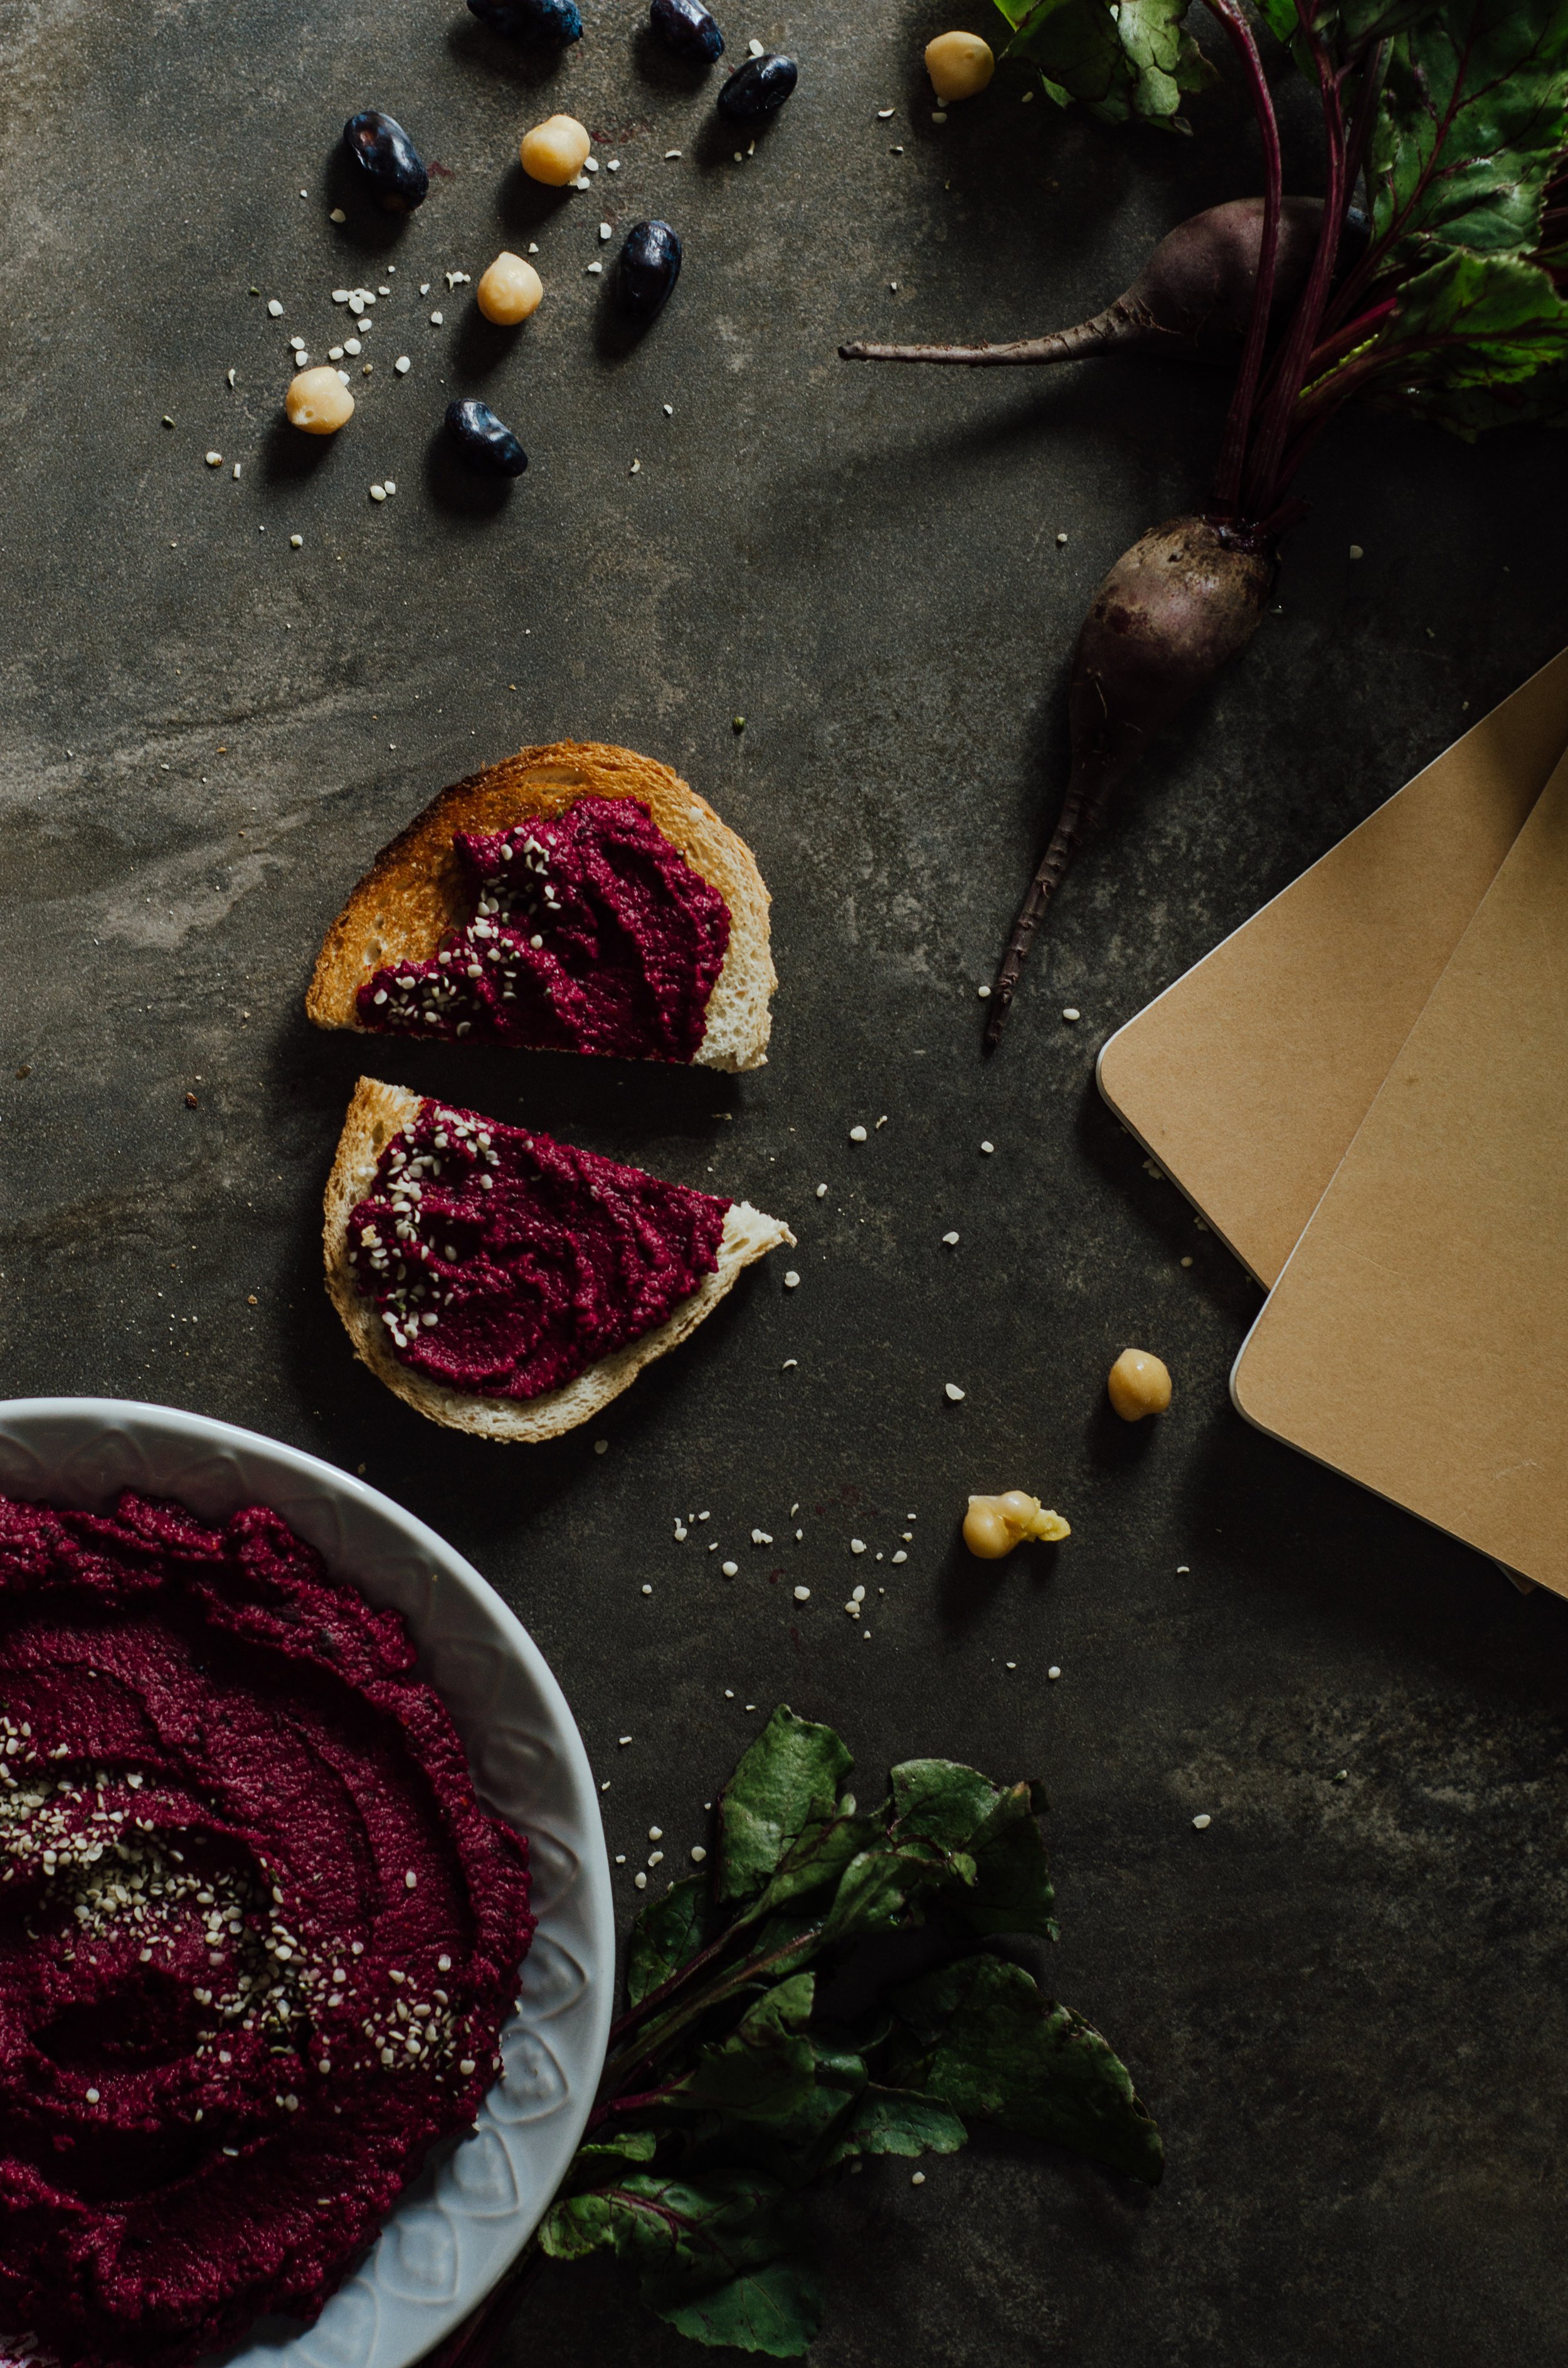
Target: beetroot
pixel 1192 301
pixel 1172 611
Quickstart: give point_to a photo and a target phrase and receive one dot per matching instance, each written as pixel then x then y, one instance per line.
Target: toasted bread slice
pixel 375 1115
pixel 414 891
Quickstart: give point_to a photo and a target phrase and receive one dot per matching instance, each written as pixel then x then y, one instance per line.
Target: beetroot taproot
pixel 1172 612
pixel 1192 301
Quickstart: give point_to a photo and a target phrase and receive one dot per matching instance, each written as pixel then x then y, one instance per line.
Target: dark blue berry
pixel 647 269
pixel 530 21
pixel 388 160
pixel 758 89
pixel 483 440
pixel 687 27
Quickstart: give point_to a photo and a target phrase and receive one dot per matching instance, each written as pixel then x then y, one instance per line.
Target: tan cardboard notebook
pixel 1415 1339
pixel 1247 1078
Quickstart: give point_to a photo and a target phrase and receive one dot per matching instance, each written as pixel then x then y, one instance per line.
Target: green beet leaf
pixel 899 2121
pixel 817 1860
pixel 987 2042
pixel 1474 115
pixel 1074 44
pixel 786 1783
pixel 720 2258
pixel 669 1932
pixel 1160 62
pixel 1472 321
pixel 1470 410
pixel 765 2069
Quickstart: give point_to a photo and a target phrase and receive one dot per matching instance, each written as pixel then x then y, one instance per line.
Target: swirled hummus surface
pixel 590 933
pixel 257 1937
pixel 504 1263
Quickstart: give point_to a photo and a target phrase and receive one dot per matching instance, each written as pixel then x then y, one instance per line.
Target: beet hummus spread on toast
pixel 257 1937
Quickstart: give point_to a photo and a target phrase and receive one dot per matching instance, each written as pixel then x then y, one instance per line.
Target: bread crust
pixel 414 891
pixel 375 1114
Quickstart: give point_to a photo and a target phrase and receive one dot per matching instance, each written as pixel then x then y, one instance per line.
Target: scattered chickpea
pixel 959 65
pixel 1138 1384
pixel 555 151
pixel 995 1525
pixel 318 401
pixel 509 290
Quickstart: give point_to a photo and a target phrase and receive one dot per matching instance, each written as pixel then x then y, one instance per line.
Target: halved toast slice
pixel 416 890
pixel 376 1114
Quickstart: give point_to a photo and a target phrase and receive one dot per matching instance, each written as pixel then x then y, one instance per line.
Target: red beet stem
pixel 1172 612
pixel 1238 420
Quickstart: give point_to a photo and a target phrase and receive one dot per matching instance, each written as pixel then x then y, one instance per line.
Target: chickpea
pixel 1138 1384
pixel 993 1525
pixel 959 65
pixel 509 290
pixel 555 151
pixel 318 401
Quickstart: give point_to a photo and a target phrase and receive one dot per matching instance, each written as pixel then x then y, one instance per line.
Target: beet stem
pixel 1263 484
pixel 1238 420
pixel 1121 324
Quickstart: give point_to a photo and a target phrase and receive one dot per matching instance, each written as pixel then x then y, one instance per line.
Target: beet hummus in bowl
pixel 306 1944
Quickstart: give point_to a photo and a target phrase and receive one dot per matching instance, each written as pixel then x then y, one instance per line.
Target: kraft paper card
pixel 1415 1340
pixel 1247 1078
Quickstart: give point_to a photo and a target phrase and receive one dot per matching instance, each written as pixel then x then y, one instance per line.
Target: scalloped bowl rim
pixel 462 2222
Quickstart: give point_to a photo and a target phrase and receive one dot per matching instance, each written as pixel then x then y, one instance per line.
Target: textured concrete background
pixel 1343 2001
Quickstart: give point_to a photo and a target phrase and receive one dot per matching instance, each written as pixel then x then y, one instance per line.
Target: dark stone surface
pixel 1345 2000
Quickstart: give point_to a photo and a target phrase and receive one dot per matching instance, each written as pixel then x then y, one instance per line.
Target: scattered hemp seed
pixel 917 2179
pixel 802 1595
pixel 955 1394
pixel 950 1239
pixel 730 1568
pixel 378 493
pixel 737 724
pixel 791 1280
pixel 623 1739
pixel 900 1555
pixel 214 460
pixel 1357 552
pixel 275 308
pixel 670 154
pixel 1203 1821
pixel 606 234
pixel 1062 538
pixel 984 993
pixel 856 1545
pixel 698 1854
pixel 755 46
pixel 402 365
pixel 884 115
pixel 668 409
pixel 788 1361
pixel 988 1146
pixel 857 1135
pixel 337 215
pixel 939 115
pixel 601 1447
pixel 296 542
pixel 647 1590
pixel 1053 1671
pixel 639 1880
pixel 434 320
pixel 596 270
pixel 1071 1011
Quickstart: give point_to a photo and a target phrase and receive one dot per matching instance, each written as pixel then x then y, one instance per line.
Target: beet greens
pixel 751 2063
pixel 1427 280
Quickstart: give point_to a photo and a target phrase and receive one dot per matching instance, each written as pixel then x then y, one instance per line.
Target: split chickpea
pixel 318 400
pixel 995 1525
pixel 959 65
pixel 1138 1384
pixel 509 290
pixel 555 151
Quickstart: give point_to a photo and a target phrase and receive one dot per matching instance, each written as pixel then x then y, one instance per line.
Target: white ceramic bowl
pixel 465 2219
